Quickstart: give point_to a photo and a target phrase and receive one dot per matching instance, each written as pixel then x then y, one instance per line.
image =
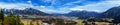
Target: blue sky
pixel 60 6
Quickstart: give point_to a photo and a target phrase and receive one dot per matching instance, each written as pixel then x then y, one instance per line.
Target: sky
pixel 61 6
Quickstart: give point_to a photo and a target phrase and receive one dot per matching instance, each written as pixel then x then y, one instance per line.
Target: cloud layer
pixel 14 5
pixel 61 6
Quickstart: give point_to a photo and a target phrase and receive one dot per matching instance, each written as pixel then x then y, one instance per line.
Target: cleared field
pixel 27 22
pixel 79 22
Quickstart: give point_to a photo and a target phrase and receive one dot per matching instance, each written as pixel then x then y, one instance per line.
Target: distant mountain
pixel 83 14
pixel 112 13
pixel 57 14
pixel 27 11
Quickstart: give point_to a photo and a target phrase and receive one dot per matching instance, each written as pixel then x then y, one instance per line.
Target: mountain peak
pixel 113 12
pixel 27 11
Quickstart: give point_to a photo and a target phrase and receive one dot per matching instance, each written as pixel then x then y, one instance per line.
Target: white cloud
pixel 14 5
pixel 98 7
pixel 45 9
pixel 47 0
pixel 74 9
pixel 29 1
pixel 73 3
pixel 49 9
pixel 22 6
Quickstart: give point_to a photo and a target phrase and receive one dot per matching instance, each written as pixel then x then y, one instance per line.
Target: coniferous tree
pixel 1 17
pixel 13 20
pixel 18 22
pixel 10 19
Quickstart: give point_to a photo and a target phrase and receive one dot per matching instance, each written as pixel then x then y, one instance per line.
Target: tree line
pixel 9 19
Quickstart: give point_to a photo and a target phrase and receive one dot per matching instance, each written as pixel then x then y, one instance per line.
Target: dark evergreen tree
pixel 13 20
pixel 18 22
pixel 10 19
pixel 1 16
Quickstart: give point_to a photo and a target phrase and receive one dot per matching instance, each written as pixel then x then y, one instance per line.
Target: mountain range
pixel 27 11
pixel 110 13
pixel 83 14
pixel 113 13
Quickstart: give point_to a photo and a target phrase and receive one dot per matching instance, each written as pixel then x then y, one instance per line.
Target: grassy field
pixel 79 22
pixel 27 22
